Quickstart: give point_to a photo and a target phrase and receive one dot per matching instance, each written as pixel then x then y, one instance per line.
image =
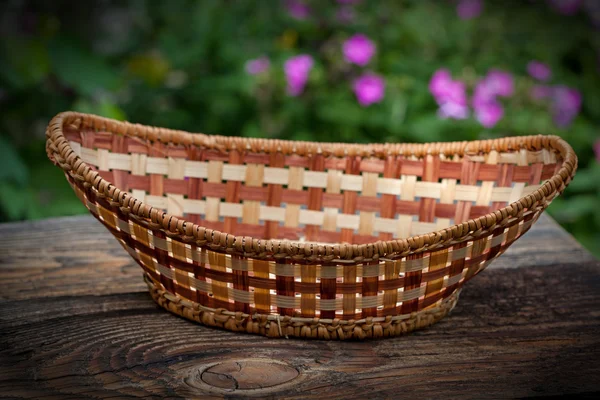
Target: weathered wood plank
pixel 529 326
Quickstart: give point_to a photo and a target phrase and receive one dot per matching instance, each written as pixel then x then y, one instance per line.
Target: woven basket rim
pixel 61 153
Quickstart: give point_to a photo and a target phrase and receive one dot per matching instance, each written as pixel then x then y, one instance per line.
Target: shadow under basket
pixel 302 239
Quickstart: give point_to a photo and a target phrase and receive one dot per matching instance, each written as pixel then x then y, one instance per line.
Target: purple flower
pixel 489 114
pixel 297 9
pixel 488 110
pixel 450 95
pixel 539 70
pixel 445 90
pixel 566 7
pixel 439 82
pixel 358 49
pixel 597 150
pixel 454 110
pixel 296 73
pixel 539 92
pixel 467 9
pixel 258 65
pixel 369 89
pixel 483 94
pixel 566 104
pixel 500 83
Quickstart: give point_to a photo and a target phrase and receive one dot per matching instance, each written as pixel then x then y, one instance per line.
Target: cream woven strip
pixel 407 186
pixel 179 205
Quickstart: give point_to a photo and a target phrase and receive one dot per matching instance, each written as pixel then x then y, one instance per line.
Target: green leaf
pixel 14 201
pixel 27 61
pixel 104 108
pixel 81 69
pixel 12 168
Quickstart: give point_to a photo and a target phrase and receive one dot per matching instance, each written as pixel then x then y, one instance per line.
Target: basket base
pixel 287 326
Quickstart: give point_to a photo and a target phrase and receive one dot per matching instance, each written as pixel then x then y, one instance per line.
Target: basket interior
pixel 315 198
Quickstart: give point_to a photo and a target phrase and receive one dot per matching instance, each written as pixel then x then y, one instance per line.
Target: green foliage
pixel 180 64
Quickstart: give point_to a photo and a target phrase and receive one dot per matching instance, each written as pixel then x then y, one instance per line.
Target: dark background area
pixel 182 64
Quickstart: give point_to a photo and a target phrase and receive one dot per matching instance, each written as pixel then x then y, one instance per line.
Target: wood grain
pixel 76 322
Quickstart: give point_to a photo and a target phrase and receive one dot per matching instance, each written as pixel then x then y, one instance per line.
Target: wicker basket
pixel 315 240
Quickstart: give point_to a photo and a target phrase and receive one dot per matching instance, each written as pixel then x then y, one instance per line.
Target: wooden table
pixel 76 322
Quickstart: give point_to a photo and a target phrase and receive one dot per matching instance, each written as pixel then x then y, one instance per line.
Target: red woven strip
pixel 315 197
pixel 350 197
pixel 387 205
pixel 274 196
pixel 431 166
pixel 175 186
pixel 328 236
pixel 297 161
pixel 362 239
pixel 450 170
pixel 194 185
pixel 521 173
pixel 328 292
pixel 294 196
pixel 488 172
pixel 535 175
pixel 333 200
pixel 215 155
pixel 259 158
pixel 369 288
pixel 455 268
pixel 504 179
pixel 412 280
pixel 232 190
pixel 410 167
pixel 285 287
pixel 372 164
pixel 368 203
pixel 256 193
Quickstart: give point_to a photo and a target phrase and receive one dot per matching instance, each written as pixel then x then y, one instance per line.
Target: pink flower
pixel 439 82
pixel 488 110
pixel 454 110
pixel 358 49
pixel 597 150
pixel 445 90
pixel 257 66
pixel 450 95
pixel 566 104
pixel 539 92
pixel 566 7
pixel 539 71
pixel 483 94
pixel 489 114
pixel 297 9
pixel 468 9
pixel 369 89
pixel 500 83
pixel 296 73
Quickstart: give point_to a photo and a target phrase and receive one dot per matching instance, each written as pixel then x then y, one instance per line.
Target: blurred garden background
pixel 324 70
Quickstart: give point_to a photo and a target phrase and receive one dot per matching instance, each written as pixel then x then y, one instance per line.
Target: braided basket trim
pixel 60 151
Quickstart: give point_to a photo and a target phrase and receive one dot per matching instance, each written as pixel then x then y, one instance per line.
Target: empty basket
pixel 316 240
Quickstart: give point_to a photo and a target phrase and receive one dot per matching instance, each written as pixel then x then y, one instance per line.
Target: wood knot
pixel 243 376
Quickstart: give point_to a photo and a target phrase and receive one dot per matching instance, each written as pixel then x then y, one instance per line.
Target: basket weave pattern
pixel 318 240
